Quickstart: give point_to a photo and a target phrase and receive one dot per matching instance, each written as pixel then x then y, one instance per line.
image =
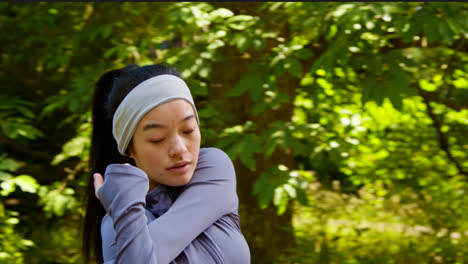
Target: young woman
pixel 146 137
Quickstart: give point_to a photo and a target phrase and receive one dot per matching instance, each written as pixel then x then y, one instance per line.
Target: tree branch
pixel 16 146
pixel 435 97
pixel 442 137
pixel 397 43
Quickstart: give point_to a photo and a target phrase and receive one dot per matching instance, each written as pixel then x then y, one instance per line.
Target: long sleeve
pixel 204 201
pixel 123 197
pixel 207 197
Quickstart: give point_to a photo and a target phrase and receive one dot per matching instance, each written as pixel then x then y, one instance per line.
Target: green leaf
pixel 290 190
pixel 252 80
pixel 12 221
pixel 304 54
pixel 109 52
pixel 259 108
pixel 8 164
pixel 258 43
pixel 248 161
pixel 240 22
pixel 247 146
pixel 27 183
pixel 198 89
pixel 56 202
pixel 275 5
pixel 15 128
pixel 293 66
pixel 413 30
pixel 445 32
pixel 219 14
pixel 256 91
pixel 5 176
pixel 370 91
pixel 302 197
pixel 432 32
pixel 217 43
pixel 243 43
pixel 8 187
pixel 264 189
pixel 54 104
pixel 204 71
pixel 309 22
pixel 270 147
pixel 73 148
pixel 397 84
pixel 281 200
pixel 454 26
pixel 226 142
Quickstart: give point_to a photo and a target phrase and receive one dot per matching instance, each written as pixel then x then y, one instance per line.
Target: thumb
pixel 98 181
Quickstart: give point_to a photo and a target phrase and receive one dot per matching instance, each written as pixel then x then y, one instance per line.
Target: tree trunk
pixel 267 233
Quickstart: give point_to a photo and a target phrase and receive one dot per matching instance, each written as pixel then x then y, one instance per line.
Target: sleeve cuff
pixel 123 186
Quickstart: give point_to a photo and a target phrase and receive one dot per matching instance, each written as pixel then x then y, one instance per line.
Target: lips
pixel 180 164
pixel 180 167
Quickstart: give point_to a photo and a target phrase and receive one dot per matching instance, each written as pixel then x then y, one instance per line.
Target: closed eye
pixel 157 141
pixel 188 132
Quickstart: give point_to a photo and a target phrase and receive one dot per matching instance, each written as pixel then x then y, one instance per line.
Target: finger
pixel 98 181
pixel 127 164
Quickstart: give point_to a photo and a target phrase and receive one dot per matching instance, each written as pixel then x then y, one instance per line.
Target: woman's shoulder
pixel 213 154
pixel 213 163
pixel 209 150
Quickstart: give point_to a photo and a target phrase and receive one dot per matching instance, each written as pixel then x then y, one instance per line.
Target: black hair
pixel 110 90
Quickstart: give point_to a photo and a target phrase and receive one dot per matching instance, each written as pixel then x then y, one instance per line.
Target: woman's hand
pixel 99 181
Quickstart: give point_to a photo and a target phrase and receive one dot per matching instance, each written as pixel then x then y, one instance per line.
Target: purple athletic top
pixel 200 227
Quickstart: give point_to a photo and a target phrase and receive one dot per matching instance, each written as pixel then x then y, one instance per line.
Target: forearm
pixel 209 196
pixel 133 238
pixel 122 195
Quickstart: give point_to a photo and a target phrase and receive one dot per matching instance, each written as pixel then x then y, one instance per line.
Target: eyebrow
pixel 155 125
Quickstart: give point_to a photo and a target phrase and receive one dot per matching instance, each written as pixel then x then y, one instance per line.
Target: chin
pixel 180 180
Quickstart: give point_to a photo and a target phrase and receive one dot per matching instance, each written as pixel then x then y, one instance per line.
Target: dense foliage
pixel 347 122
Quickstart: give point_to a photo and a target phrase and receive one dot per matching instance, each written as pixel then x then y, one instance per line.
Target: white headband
pixel 144 97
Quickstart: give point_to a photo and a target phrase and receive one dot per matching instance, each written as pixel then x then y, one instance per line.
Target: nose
pixel 177 147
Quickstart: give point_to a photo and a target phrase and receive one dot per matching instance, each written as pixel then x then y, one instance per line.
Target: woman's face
pixel 166 143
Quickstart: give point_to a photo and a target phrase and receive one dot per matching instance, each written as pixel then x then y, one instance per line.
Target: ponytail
pixel 110 90
pixel 103 152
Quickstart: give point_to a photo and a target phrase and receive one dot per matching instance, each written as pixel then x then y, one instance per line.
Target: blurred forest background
pixel 347 122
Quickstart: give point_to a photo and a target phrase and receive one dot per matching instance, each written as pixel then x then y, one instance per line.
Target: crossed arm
pixel 209 195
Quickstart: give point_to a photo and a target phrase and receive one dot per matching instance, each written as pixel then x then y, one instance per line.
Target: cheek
pixel 194 142
pixel 151 155
pixel 197 135
pixel 155 155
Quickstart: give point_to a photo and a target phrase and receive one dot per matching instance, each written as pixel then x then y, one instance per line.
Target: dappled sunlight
pixel 360 228
pixel 346 122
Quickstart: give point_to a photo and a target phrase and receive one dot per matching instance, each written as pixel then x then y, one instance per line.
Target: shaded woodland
pixel 346 122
